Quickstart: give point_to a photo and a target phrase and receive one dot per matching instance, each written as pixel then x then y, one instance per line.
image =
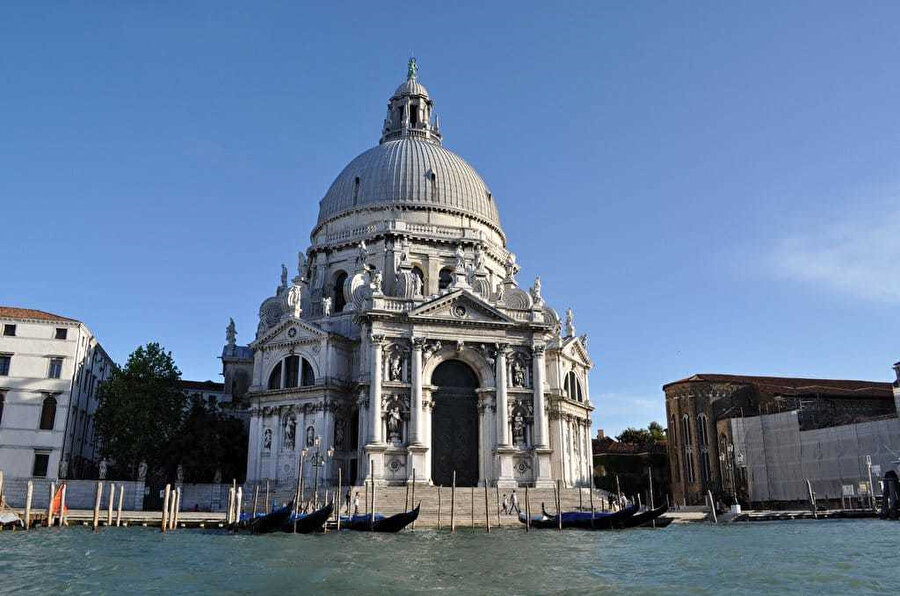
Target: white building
pixel 50 368
pixel 405 339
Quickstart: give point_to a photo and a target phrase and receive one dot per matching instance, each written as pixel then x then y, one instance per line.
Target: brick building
pixel 700 408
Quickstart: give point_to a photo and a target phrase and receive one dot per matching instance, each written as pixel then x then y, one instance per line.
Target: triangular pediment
pixel 290 330
pixel 574 348
pixel 461 306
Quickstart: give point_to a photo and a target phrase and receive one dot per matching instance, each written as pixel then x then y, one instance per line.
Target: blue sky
pixel 713 187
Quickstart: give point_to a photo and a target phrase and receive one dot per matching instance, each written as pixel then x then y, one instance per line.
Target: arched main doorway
pixel 454 424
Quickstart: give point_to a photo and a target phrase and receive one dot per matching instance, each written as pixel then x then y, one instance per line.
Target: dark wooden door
pixel 454 425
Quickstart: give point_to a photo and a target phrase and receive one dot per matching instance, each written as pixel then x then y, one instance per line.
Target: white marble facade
pixel 409 269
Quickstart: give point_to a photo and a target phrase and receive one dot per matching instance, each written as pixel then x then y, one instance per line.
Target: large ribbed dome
pixel 410 172
pixel 409 168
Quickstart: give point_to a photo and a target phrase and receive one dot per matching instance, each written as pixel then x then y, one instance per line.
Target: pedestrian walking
pixel 347 499
pixel 356 503
pixel 504 505
pixel 514 502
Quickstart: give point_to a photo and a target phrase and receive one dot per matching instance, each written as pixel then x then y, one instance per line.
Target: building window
pixel 292 371
pixel 338 292
pixel 41 463
pixel 703 439
pixel 356 190
pixel 9 330
pixel 275 377
pixel 573 387
pixel 687 452
pixel 48 413
pixel 55 368
pixel 307 377
pixel 4 364
pixel 445 278
pixel 61 333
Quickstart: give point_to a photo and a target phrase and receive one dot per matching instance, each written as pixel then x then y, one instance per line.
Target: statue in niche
pixel 326 306
pixel 267 439
pixel 394 426
pixel 63 469
pixel 179 474
pixel 518 428
pixel 362 256
pixel 294 299
pixel 518 374
pixel 339 434
pixel 479 259
pixel 290 432
pixel 395 367
pixel 310 436
pixel 417 286
pixel 104 467
pixel 142 471
pixel 377 281
pixel 231 333
pixel 283 275
pixel 218 476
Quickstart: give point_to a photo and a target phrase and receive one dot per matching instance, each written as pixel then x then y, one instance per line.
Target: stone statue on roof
pixel 230 333
pixel 412 70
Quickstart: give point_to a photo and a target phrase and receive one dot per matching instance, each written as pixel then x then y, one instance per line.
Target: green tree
pixel 652 435
pixel 210 441
pixel 140 410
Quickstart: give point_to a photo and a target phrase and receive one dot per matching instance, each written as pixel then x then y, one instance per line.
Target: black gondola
pixel 581 520
pixel 306 523
pixel 644 517
pixel 270 522
pixel 393 523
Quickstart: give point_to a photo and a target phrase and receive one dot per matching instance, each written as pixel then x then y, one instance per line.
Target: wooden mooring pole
pixel 29 493
pixel 473 507
pixel 165 508
pixel 63 516
pixel 499 519
pixel 592 507
pixel 268 506
pixel 487 513
pixel 453 503
pixel 413 496
pixel 558 505
pixel 527 510
pixel 439 506
pixel 109 506
pixel 49 520
pixel 338 516
pixel 255 499
pixel 97 498
pixel 121 498
pixel 372 474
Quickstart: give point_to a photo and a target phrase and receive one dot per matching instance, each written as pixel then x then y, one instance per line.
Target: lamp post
pixel 319 461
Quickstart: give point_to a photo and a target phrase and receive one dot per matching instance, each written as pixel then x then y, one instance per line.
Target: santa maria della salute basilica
pixel 405 342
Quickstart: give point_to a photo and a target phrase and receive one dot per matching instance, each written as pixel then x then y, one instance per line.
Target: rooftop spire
pixel 412 69
pixel 409 111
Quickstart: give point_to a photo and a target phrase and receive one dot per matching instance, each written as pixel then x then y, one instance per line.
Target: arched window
pixel 573 387
pixel 48 413
pixel 307 377
pixel 291 371
pixel 445 278
pixel 337 294
pixel 673 441
pixel 418 273
pixel 275 377
pixel 687 451
pixel 703 440
pixel 356 190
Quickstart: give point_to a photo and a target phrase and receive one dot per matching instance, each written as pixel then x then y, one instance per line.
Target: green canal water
pixel 827 557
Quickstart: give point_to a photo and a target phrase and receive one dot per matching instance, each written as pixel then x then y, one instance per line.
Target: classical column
pixel 502 411
pixel 415 413
pixel 375 390
pixel 537 380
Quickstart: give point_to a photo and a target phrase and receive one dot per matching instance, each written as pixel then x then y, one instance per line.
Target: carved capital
pixel 418 343
pixel 376 338
pixel 502 349
pixel 539 349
